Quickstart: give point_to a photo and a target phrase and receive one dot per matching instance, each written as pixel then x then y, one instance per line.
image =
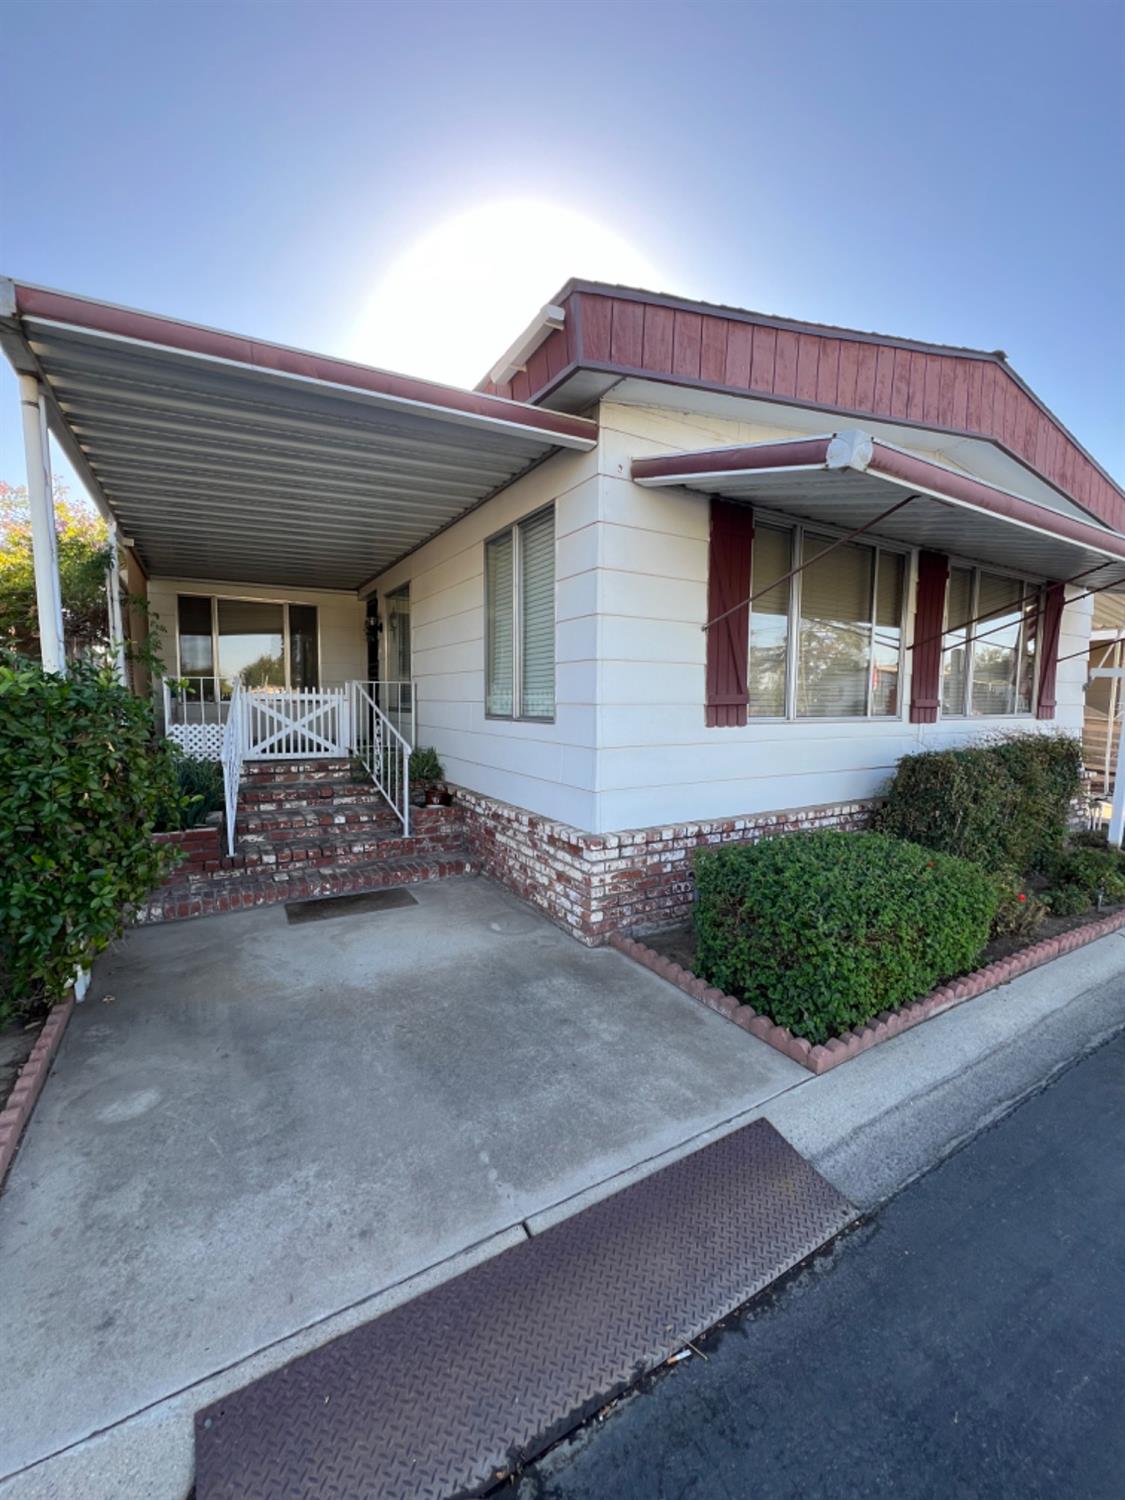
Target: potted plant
pixel 428 775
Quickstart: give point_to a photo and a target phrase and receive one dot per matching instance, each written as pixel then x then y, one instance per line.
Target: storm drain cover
pixel 440 1396
pixel 349 906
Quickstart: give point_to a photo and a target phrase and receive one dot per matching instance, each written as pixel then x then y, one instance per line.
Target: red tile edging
pixel 819 1059
pixel 29 1083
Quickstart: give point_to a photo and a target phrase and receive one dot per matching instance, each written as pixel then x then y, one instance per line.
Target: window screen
pixel 988 665
pixel 537 612
pixel 520 620
pixel 833 648
pixel 769 621
pixel 955 651
pixel 500 597
pixel 197 657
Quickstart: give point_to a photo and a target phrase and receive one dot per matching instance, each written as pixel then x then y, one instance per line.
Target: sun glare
pixel 451 304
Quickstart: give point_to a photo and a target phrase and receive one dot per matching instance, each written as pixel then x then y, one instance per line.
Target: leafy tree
pixel 83 550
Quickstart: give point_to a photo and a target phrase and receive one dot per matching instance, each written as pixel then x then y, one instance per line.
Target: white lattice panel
pixel 204 741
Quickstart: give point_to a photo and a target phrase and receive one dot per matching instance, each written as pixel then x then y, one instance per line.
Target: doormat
pixel 326 907
pixel 446 1394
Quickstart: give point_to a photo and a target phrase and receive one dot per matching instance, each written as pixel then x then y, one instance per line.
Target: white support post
pixel 1117 807
pixel 44 544
pixel 113 600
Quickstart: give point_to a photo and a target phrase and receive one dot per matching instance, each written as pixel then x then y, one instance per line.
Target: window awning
pixel 850 480
pixel 223 457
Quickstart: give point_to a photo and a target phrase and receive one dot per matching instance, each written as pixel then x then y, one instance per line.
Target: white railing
pixel 234 749
pixel 384 752
pixel 398 701
pixel 296 723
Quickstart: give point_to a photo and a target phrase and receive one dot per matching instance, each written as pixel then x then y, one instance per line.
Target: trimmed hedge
pixel 821 931
pixel 1005 805
pixel 83 773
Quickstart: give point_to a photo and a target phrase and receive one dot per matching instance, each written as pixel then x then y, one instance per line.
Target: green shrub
pixel 1091 872
pixel 198 793
pixel 821 931
pixel 82 776
pixel 1005 805
pixel 425 767
pixel 1020 912
pixel 1066 900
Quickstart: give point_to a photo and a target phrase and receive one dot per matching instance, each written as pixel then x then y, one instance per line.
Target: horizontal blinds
pixel 958 609
pixel 835 632
pixel 769 621
pixel 886 651
pixel 537 616
pixel 499 625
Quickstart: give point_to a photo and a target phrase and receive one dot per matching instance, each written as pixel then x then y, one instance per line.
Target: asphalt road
pixel 967 1342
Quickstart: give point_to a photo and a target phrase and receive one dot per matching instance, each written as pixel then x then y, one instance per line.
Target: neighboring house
pixel 554 570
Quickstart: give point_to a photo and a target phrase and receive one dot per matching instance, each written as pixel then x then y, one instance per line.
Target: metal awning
pixel 223 457
pixel 851 480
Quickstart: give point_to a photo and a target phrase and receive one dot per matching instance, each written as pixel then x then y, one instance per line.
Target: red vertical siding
pixel 728 588
pixel 929 620
pixel 626 343
pixel 785 364
pixel 713 350
pixel 739 352
pixel 763 359
pixel 658 338
pixel 597 320
pixel 1049 649
pixel 687 333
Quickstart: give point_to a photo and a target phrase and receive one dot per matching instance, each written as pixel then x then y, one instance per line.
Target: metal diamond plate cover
pixel 439 1396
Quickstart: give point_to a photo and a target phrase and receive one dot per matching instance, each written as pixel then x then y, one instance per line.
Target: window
pixel 988 661
pixel 826 643
pixel 519 572
pixel 399 659
pixel 267 643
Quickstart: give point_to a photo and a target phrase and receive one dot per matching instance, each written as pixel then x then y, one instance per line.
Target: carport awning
pixel 850 480
pixel 226 458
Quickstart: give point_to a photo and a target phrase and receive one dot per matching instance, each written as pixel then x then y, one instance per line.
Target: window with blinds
pixel 520 620
pixel 988 665
pixel 845 608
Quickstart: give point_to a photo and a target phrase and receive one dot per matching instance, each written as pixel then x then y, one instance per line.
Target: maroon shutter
pixel 728 588
pixel 1053 602
pixel 929 622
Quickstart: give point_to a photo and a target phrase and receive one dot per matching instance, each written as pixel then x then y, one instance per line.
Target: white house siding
pixel 629 747
pixel 657 760
pixel 343 644
pixel 548 768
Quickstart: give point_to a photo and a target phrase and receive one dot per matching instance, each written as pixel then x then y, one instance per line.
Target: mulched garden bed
pixel 671 953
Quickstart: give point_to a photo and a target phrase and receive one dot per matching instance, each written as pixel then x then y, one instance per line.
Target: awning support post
pixel 113 601
pixel 44 543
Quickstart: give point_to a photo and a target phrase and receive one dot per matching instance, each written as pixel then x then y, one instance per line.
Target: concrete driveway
pixel 271 1128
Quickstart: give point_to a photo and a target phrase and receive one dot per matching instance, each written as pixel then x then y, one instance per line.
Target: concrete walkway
pixel 275 1133
pixel 269 1124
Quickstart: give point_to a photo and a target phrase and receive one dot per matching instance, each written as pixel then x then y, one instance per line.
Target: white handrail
pixel 234 749
pixel 384 752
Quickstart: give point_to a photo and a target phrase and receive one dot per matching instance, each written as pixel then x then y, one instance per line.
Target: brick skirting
pixel 200 847
pixel 597 884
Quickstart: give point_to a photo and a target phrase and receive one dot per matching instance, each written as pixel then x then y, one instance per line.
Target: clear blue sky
pixel 944 171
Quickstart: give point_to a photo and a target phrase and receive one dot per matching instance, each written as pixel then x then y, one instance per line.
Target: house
pixel 673 574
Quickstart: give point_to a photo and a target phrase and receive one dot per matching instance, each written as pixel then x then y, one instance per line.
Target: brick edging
pixel 29 1083
pixel 819 1059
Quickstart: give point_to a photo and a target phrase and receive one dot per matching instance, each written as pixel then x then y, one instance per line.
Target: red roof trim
pixel 886 462
pixel 151 328
pixel 964 392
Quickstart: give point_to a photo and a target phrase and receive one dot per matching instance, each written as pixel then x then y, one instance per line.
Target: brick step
pixel 259 852
pixel 296 821
pixel 297 770
pixel 253 888
pixel 274 795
